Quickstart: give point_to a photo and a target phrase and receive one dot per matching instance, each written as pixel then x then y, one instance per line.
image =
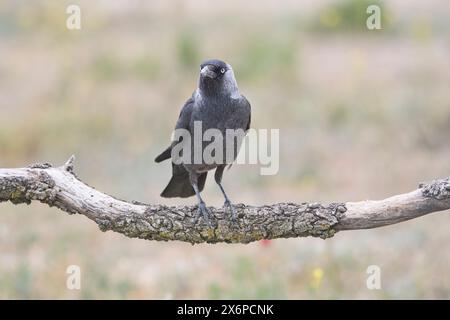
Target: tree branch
pixel 60 187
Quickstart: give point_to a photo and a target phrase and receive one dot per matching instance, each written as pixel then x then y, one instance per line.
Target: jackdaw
pixel 216 104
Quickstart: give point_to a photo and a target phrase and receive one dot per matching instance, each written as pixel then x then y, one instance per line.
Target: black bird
pixel 218 104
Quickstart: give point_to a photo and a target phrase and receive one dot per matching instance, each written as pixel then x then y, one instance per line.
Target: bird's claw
pixel 204 212
pixel 228 205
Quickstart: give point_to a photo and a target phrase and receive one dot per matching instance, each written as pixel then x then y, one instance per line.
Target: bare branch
pixel 59 187
pixel 68 166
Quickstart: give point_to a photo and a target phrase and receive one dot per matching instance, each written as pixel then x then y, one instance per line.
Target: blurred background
pixel 362 115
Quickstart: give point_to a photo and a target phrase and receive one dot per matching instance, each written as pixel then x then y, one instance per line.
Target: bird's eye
pixel 222 70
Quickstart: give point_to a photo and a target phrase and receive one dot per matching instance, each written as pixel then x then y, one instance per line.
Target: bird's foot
pixel 228 205
pixel 203 211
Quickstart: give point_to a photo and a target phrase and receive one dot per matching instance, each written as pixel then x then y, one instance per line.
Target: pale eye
pixel 222 70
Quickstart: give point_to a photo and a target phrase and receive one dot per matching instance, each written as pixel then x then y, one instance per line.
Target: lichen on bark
pixel 437 189
pixel 18 190
pixel 282 220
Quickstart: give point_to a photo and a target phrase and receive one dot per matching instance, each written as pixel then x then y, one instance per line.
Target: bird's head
pixel 217 78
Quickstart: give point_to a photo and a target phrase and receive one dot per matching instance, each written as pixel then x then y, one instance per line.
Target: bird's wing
pixel 246 105
pixel 185 115
pixel 249 107
pixel 183 122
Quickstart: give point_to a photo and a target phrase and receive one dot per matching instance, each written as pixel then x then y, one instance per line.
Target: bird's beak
pixel 207 72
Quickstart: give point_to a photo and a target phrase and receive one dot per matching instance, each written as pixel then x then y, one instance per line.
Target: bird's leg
pixel 202 209
pixel 227 204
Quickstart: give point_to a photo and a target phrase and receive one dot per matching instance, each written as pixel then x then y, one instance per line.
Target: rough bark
pixel 60 187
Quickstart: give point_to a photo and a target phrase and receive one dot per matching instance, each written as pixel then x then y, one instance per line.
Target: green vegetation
pixel 349 15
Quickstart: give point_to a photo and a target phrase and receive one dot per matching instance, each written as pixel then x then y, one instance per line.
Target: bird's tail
pixel 166 154
pixel 180 185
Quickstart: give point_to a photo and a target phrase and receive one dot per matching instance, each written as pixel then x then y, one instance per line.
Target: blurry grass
pixel 146 67
pixel 18 283
pixel 248 282
pixel 18 18
pixel 265 58
pixel 348 16
pixel 109 67
pixel 23 282
pixel 99 283
pixel 57 129
pixel 188 49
